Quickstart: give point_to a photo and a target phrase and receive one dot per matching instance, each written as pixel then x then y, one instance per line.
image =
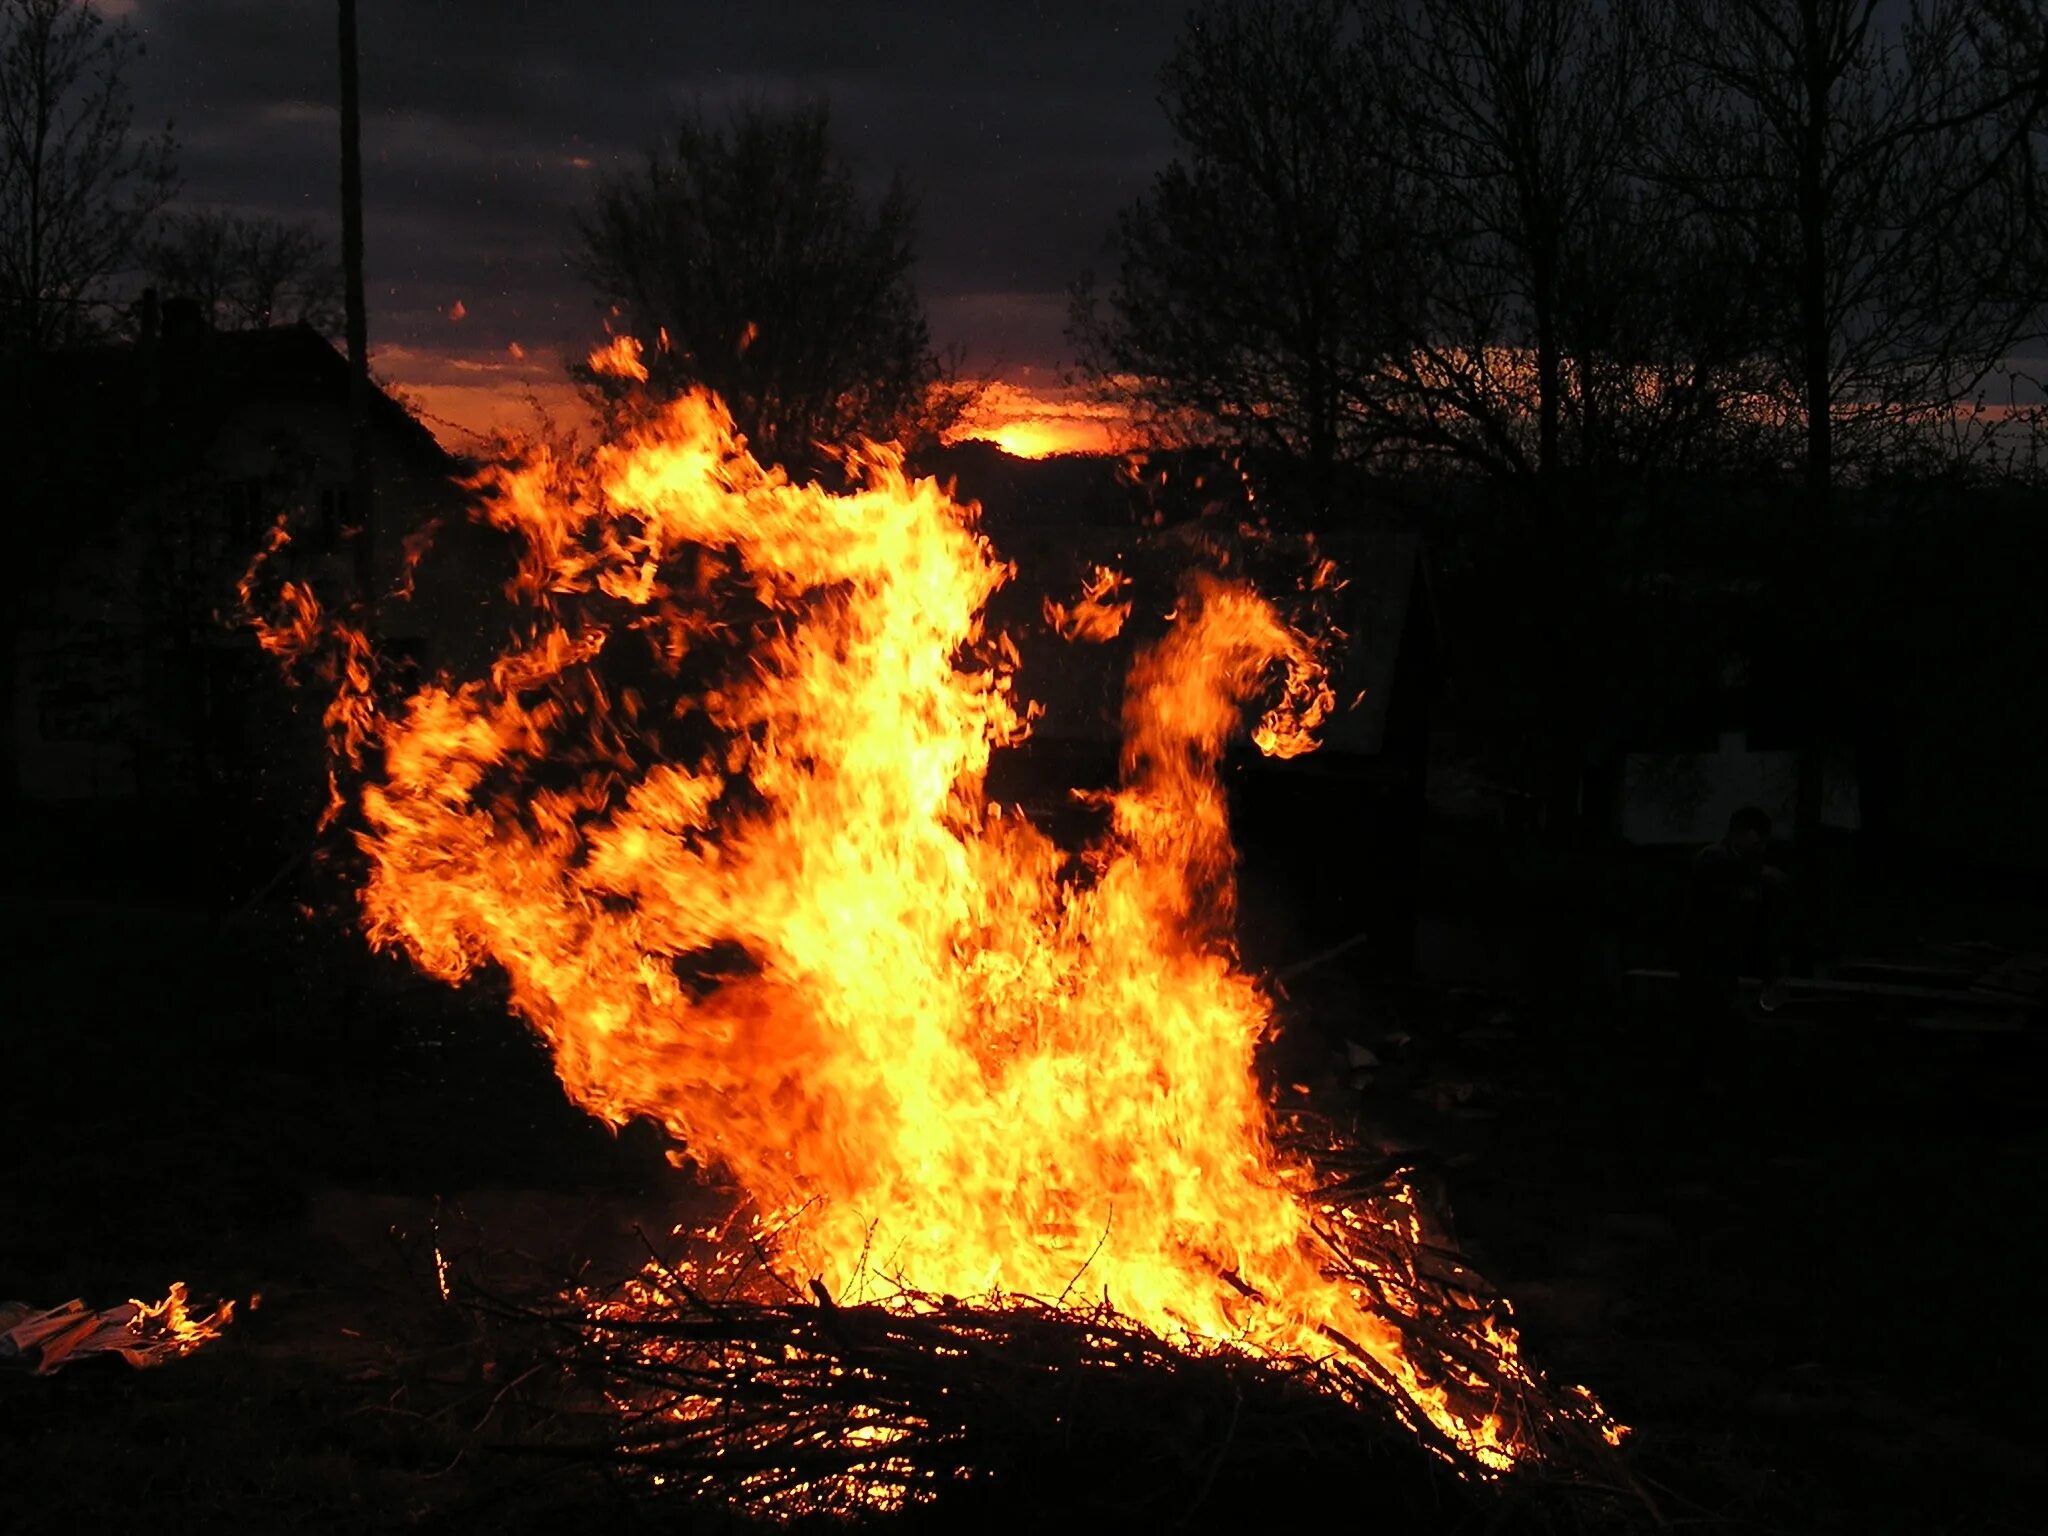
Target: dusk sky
pixel 1023 127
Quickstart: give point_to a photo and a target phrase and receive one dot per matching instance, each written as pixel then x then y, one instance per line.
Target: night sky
pixel 486 122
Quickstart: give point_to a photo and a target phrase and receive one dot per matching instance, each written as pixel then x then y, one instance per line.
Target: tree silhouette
pixel 1418 234
pixel 77 186
pixel 744 257
pixel 1881 167
pixel 1618 236
pixel 247 273
pixel 1887 184
pixel 1574 321
pixel 1264 283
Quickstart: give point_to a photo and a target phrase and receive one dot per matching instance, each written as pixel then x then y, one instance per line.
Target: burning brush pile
pixel 717 816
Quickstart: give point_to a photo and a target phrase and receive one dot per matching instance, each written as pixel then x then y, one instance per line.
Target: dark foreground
pixel 1814 1293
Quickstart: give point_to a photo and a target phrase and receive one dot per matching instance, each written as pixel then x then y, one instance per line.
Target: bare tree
pixel 1419 233
pixel 1881 165
pixel 1265 283
pixel 1510 112
pixel 1575 319
pixel 77 184
pixel 744 257
pixel 77 187
pixel 1536 235
pixel 1887 183
pixel 248 273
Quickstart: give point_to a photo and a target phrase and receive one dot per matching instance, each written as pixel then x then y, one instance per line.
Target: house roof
pixel 182 389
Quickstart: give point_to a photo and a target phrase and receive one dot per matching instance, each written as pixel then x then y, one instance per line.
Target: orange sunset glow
pixel 1036 420
pixel 469 399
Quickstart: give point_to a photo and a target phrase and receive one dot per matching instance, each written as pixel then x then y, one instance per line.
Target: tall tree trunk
pixel 1322 437
pixel 1538 219
pixel 362 480
pixel 1592 415
pixel 1549 386
pixel 1814 334
pixel 11 689
pixel 1815 690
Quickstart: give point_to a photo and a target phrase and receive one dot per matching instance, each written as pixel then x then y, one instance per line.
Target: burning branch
pixel 781 1409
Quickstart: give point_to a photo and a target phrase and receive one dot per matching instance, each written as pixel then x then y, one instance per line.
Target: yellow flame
pixel 781 918
pixel 620 357
pixel 173 1324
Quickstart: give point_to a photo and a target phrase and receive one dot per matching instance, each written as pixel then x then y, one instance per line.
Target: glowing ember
pixel 778 914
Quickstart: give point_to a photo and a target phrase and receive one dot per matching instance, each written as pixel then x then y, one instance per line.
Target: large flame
pixel 779 915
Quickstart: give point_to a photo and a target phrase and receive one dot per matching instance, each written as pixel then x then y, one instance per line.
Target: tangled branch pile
pixel 1021 1410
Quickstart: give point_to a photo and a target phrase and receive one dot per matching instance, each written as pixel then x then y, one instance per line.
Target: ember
pixel 775 911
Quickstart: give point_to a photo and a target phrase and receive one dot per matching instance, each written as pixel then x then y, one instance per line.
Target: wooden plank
pixel 2023 976
pixel 1914 975
pixel 1815 987
pixel 1951 1022
pixel 1891 991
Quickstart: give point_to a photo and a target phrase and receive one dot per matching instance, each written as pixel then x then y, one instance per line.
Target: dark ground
pixel 1816 1297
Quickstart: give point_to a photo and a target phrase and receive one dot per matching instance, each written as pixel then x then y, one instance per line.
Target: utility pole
pixel 362 481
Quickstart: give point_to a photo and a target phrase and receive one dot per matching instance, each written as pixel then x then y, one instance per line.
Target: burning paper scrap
pixel 142 1333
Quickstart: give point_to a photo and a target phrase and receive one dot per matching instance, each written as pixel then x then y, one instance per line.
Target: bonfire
pixel 717 815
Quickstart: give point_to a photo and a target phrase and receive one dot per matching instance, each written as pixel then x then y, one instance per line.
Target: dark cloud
pixel 486 122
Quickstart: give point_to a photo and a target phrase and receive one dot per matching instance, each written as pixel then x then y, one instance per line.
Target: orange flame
pixel 782 919
pixel 298 632
pixel 620 357
pixel 1097 616
pixel 173 1327
pixel 293 628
